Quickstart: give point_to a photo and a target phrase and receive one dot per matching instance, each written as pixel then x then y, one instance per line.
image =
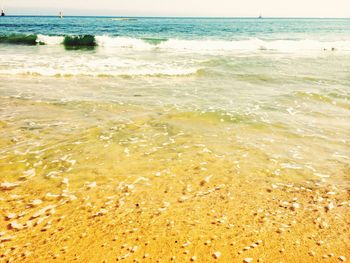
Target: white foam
pixel 50 40
pixel 41 71
pixel 253 44
pixel 122 42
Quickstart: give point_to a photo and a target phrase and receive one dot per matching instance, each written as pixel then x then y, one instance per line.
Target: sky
pixel 229 8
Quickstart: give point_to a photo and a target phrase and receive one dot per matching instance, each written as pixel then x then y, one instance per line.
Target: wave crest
pixel 253 44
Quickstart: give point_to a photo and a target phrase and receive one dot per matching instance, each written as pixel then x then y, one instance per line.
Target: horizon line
pixel 133 16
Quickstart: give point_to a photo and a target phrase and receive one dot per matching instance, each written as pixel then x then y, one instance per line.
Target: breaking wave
pixel 254 44
pixel 151 72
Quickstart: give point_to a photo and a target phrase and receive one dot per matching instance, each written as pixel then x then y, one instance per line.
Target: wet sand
pixel 104 183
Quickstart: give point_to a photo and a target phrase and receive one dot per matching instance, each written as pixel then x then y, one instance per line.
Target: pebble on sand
pixel 28 174
pixel 101 213
pixel 43 211
pixel 295 206
pixel 50 196
pixel 194 258
pixel 311 253
pixel 91 185
pixel 35 202
pixel 216 254
pixel 10 216
pixel 6 238
pixel 320 242
pixel 183 199
pixel 186 244
pixel 65 181
pixel 8 186
pixel 247 260
pixel 15 225
pixel 342 258
pixel 330 206
pixel 205 180
pixel 207 242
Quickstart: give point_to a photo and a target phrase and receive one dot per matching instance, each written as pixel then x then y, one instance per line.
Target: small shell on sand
pixel 342 258
pixel 35 202
pixel 65 181
pixel 128 188
pixel 28 174
pixel 247 260
pixel 216 254
pixel 186 244
pixel 50 196
pixel 10 216
pixel 205 180
pixel 134 249
pixel 101 213
pixel 6 238
pixel 329 207
pixel 280 230
pixel 8 186
pixel 311 253
pixel 295 206
pixel 16 225
pixel 320 242
pixel 91 185
pixel 43 211
pixel 183 199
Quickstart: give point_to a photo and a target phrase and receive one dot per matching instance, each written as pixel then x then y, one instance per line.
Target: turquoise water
pixel 276 86
pixel 182 28
pixel 157 46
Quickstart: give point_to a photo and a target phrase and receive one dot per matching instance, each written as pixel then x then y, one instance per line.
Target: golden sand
pixel 106 183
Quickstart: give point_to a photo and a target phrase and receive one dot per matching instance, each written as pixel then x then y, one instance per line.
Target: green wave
pixel 19 39
pixel 79 42
pixel 154 41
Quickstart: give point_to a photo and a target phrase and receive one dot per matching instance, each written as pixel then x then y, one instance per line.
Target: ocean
pixel 150 111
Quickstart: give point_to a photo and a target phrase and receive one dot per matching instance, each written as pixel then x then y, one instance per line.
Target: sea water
pixel 159 112
pixel 278 86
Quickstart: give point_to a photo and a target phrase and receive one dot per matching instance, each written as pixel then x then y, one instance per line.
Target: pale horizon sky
pixel 217 8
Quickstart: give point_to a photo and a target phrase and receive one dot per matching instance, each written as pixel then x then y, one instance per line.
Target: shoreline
pixel 152 187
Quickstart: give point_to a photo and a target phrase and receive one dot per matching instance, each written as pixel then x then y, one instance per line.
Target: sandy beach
pixel 158 189
pixel 174 140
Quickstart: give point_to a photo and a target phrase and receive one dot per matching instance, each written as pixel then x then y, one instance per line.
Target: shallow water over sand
pixel 109 168
pixel 117 153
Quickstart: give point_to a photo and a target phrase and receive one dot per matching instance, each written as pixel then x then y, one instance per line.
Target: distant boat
pixel 260 16
pixel 2 12
pixel 60 15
